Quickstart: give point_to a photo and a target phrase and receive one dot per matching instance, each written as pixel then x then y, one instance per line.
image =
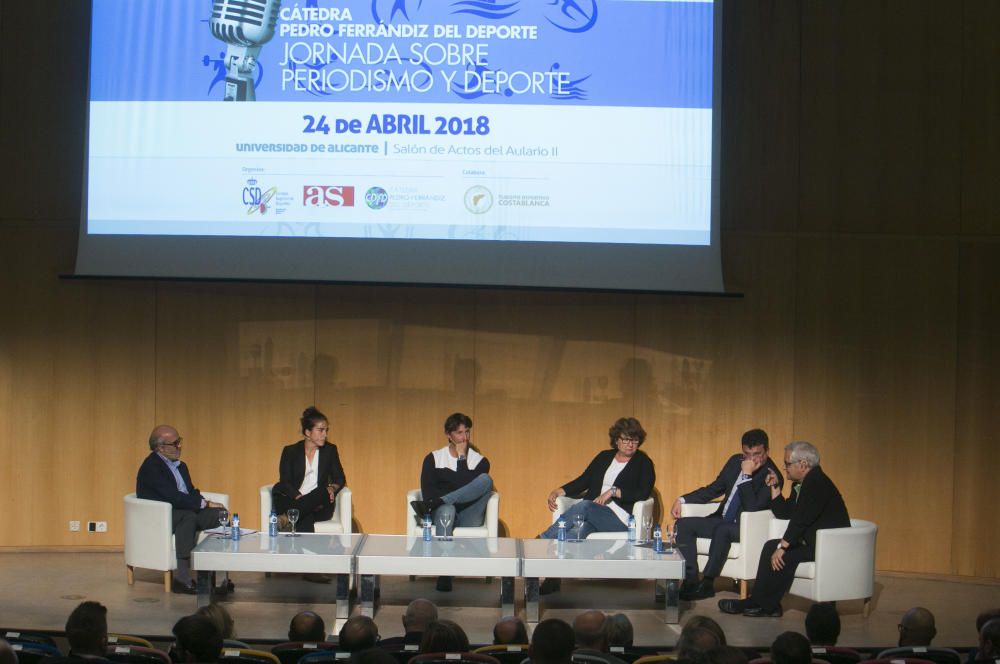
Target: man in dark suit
pixel 741 481
pixel 164 477
pixel 814 503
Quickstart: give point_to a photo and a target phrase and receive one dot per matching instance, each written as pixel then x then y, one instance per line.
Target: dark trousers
pixel 771 586
pixel 314 506
pixel 186 527
pixel 722 534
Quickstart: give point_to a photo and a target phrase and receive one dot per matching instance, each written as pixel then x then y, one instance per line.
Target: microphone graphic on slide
pixel 245 26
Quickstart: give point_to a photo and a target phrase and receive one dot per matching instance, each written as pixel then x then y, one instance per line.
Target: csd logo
pixel 327 196
pixel 252 195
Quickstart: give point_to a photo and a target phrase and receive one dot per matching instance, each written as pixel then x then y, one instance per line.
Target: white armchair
pixel 844 567
pixel 741 563
pixel 339 523
pixel 149 535
pixel 639 510
pixel 490 527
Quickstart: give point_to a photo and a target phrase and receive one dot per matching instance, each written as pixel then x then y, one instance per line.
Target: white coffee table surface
pixel 460 556
pixel 307 553
pixel 598 559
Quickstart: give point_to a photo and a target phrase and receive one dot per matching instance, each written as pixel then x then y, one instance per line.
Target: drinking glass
pixel 223 520
pixel 578 523
pixel 446 518
pixel 668 540
pixel 647 523
pixel 293 516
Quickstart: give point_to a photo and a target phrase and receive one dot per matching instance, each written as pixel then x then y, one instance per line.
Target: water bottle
pixel 657 539
pixel 236 526
pixel 272 524
pixel 631 528
pixel 428 528
pixel 561 533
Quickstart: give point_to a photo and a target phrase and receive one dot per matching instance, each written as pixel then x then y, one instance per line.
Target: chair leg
pixel 166 581
pixel 743 588
pixel 867 610
pixel 130 574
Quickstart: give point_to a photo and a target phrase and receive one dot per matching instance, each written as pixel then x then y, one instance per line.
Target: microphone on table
pixel 245 26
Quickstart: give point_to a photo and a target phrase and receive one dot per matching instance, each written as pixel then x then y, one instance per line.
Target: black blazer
pixel 155 482
pixel 755 495
pixel 292 468
pixel 820 505
pixel 635 481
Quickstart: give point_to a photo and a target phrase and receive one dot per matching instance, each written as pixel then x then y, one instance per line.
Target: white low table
pixel 599 559
pixel 403 555
pixel 308 553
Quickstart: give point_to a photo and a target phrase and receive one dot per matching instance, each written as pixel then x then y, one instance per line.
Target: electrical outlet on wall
pixel 74 526
pixel 102 526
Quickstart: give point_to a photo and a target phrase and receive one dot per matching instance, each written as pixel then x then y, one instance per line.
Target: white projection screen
pixel 536 143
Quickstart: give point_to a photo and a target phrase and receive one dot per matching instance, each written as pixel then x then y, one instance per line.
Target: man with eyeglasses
pixel 742 484
pixel 813 504
pixel 164 477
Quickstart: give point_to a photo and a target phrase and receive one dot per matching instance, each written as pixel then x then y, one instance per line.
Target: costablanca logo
pixel 319 195
pixel 376 198
pixel 478 199
pixel 257 199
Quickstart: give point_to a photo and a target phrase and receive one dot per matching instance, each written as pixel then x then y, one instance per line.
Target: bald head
pixel 916 627
pixel 306 626
pixel 7 654
pixel 358 633
pixel 509 630
pixel 419 614
pixel 989 640
pixel 588 629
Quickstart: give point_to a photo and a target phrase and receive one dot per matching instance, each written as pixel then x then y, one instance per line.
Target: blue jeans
pixel 465 505
pixel 596 519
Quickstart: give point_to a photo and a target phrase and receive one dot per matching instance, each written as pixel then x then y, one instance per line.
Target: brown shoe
pixel 284 525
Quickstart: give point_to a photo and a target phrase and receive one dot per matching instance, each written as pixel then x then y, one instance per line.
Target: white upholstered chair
pixel 741 563
pixel 639 510
pixel 844 568
pixel 338 524
pixel 149 535
pixel 490 527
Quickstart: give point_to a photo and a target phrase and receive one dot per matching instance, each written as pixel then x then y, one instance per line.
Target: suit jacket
pixel 292 468
pixel 755 495
pixel 155 482
pixel 820 505
pixel 635 481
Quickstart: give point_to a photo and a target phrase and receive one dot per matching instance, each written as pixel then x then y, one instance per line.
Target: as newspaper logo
pixel 320 195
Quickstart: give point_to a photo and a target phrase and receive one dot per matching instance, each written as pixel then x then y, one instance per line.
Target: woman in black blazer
pixel 310 474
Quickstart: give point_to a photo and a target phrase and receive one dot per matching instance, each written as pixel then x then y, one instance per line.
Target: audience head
pixel 197 639
pixel 588 629
pixel 358 633
pixel 311 417
pixel 419 614
pixel 509 630
pixel 7 654
pixel 704 622
pixel 985 617
pixel 626 427
pixel 791 648
pixel 552 642
pixel 694 643
pixel 823 624
pixel 444 636
pixel 989 640
pixel 218 615
pixel 306 626
pixel 916 628
pixel 618 630
pixel 87 629
pixel 725 655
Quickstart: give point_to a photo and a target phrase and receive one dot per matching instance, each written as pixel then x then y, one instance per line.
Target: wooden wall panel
pixel 233 374
pixel 709 369
pixel 392 364
pixel 880 129
pixel 975 540
pixel 760 117
pixel 553 373
pixel 875 384
pixel 79 357
pixel 980 105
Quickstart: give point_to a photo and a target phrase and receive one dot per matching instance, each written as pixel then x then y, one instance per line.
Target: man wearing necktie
pixel 741 482
pixel 814 503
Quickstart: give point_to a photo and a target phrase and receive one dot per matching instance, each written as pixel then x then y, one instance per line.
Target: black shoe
pixel 550 586
pixel 757 612
pixel 443 584
pixel 733 606
pixel 420 509
pixel 317 578
pixel 703 590
pixel 182 588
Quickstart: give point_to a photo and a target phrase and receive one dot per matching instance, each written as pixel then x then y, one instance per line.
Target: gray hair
pixel 800 450
pixel 619 630
pixel 154 441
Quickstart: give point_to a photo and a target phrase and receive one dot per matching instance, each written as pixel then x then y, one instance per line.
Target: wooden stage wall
pixel 860 219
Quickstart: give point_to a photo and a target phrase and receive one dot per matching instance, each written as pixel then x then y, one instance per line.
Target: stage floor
pixel 40 589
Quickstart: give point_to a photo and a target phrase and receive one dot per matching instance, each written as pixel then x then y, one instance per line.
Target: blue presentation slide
pixel 509 120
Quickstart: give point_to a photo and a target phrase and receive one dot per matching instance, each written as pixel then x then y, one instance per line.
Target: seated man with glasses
pixel 164 477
